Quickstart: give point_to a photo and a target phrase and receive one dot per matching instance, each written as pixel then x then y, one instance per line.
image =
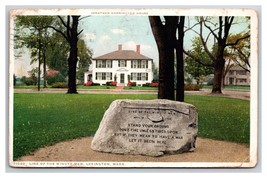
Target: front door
pixel 122 78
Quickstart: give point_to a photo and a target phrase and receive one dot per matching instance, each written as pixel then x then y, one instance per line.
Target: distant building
pixel 121 66
pixel 237 76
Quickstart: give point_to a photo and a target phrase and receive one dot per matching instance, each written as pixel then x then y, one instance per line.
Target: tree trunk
pixel 165 36
pixel 39 62
pixel 166 74
pixel 218 70
pixel 72 63
pixel 73 58
pixel 180 62
pixel 44 56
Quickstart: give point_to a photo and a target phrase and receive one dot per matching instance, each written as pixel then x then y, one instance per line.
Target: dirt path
pixel 207 150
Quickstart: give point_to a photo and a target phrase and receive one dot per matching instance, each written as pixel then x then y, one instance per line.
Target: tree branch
pixel 233 44
pixel 62 21
pixel 197 59
pixel 80 32
pixel 212 31
pixel 84 17
pixel 191 28
pixel 203 42
pixel 60 32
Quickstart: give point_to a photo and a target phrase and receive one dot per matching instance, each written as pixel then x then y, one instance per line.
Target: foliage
pixel 32 32
pixel 192 87
pixel 85 57
pixel 198 64
pixel 111 83
pixel 240 53
pixel 37 123
pixel 154 84
pixel 155 71
pixel 131 83
pixel 56 78
pixel 60 85
pixel 14 80
pixel 32 79
pixel 57 54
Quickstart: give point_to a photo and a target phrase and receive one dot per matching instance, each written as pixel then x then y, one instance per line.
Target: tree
pixel 220 34
pixel 57 54
pixel 240 53
pixel 85 57
pixel 155 71
pixel 71 34
pixel 165 33
pixel 180 60
pixel 198 63
pixel 34 38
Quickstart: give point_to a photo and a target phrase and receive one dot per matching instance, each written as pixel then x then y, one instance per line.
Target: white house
pixel 121 66
pixel 237 76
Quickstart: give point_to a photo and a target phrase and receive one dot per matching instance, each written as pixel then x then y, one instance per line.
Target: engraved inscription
pixel 153 127
pixel 156 130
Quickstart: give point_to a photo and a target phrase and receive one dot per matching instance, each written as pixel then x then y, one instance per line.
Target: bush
pixel 154 84
pixel 89 83
pixel 30 81
pixel 60 85
pixel 55 78
pixel 191 87
pixel 210 81
pixel 111 83
pixel 146 85
pixel 131 84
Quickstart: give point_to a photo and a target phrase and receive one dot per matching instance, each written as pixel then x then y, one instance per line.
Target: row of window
pixel 122 63
pixel 240 72
pixel 103 76
pixel 133 76
pixel 139 76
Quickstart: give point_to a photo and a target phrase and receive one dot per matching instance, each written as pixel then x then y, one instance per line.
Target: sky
pixel 103 34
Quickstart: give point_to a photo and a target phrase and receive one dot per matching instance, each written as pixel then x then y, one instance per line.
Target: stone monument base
pixel 147 127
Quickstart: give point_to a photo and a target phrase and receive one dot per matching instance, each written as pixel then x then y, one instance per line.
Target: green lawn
pixel 140 88
pixel 95 87
pixel 232 87
pixel 44 119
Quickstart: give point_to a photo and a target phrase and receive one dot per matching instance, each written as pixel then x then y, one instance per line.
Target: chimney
pixel 120 47
pixel 138 49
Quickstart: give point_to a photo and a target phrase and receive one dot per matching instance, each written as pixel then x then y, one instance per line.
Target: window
pixel 139 64
pixel 143 76
pixel 138 76
pixel 103 76
pixel 109 75
pixel 133 64
pixel 122 63
pixel 242 80
pixel 109 63
pixel 98 76
pixel 103 63
pixel 143 64
pixel 133 76
pixel 241 72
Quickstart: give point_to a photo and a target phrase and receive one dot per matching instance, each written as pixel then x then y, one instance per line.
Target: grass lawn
pixel 233 87
pixel 140 88
pixel 44 119
pixel 95 87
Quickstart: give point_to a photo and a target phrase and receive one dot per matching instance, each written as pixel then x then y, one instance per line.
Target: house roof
pixel 237 67
pixel 123 54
